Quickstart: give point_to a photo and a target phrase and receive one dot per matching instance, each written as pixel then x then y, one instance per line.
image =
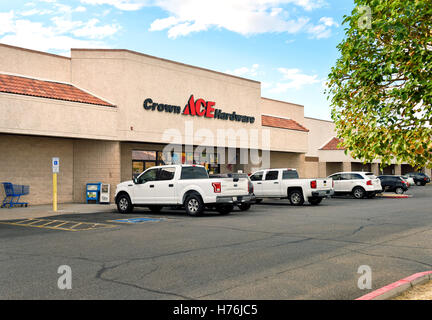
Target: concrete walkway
pixel 40 211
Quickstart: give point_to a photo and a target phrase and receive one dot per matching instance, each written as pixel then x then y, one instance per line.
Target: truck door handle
pixel 258 182
pixel 151 186
pixel 276 182
pixel 170 185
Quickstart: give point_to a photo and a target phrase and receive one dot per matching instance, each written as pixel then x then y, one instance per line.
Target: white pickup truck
pixel 187 186
pixel 285 183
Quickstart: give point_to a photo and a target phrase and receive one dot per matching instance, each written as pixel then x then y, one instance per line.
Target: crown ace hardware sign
pixel 197 108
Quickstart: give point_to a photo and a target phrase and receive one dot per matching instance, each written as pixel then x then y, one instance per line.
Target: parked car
pixel 188 186
pixel 359 184
pixel 393 184
pixel 420 179
pixel 242 206
pixel 410 180
pixel 285 183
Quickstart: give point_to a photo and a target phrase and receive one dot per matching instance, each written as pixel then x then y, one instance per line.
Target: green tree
pixel 381 86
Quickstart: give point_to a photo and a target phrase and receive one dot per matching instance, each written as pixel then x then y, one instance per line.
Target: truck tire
pixel 155 209
pixel 194 206
pixel 399 190
pixel 124 204
pixel 315 201
pixel 296 197
pixel 225 209
pixel 244 206
pixel 358 192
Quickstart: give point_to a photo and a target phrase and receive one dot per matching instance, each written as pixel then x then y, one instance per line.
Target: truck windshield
pixel 188 173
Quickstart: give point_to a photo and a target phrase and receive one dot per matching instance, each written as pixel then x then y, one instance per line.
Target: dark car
pixel 420 179
pixel 393 184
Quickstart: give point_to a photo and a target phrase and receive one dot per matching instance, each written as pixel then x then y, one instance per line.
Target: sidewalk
pixel 40 211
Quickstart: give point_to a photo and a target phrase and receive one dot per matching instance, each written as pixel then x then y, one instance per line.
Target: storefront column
pixel 397 169
pixel 95 161
pixel 346 166
pixel 375 169
pixel 322 170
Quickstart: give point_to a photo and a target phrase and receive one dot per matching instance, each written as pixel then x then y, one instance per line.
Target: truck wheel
pixel 296 198
pixel 315 201
pixel 124 204
pixel 358 192
pixel 244 206
pixel 155 209
pixel 225 209
pixel 194 205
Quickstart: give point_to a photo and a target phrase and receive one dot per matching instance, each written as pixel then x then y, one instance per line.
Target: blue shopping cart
pixel 13 194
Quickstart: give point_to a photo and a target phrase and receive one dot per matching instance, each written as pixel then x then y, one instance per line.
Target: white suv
pixel 359 184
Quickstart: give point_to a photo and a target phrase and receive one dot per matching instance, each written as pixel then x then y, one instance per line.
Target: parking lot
pixel 272 251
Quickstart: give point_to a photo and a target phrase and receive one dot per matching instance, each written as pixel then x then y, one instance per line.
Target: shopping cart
pixel 13 194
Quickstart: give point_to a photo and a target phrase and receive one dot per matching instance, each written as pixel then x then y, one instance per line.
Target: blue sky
pixel 287 45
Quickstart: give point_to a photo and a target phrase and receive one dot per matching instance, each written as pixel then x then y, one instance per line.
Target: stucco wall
pixel 321 132
pixel 127 79
pixel 288 160
pixel 283 109
pixel 40 116
pixel 34 63
pixel 27 160
pixel 95 161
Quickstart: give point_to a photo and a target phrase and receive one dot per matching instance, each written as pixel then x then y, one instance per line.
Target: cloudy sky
pixel 287 45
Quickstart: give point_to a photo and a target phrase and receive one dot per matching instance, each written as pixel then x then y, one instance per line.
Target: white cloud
pixel 36 36
pixel 6 22
pixel 245 71
pixel 127 5
pixel 93 31
pixel 241 16
pixel 323 29
pixel 59 32
pixel 293 79
pixel 246 17
pixel 34 11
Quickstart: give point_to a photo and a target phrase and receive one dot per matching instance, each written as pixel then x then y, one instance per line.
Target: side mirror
pixel 135 180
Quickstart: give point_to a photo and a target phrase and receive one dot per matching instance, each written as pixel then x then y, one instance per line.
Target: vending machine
pixel 104 193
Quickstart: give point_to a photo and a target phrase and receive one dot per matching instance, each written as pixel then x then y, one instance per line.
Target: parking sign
pixel 56 165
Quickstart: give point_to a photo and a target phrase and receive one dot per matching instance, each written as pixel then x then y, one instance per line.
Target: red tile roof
pixel 47 89
pixel 269 121
pixel 333 144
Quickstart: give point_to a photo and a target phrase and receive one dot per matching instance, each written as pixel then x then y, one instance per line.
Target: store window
pixel 144 159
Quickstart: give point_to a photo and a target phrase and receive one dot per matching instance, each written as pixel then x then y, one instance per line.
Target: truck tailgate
pixel 234 188
pixel 324 184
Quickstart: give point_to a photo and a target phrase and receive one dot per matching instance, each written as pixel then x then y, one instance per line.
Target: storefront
pixel 110 114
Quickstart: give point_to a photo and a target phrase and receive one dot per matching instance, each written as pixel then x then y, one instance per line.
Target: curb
pixel 396 288
pixel 395 196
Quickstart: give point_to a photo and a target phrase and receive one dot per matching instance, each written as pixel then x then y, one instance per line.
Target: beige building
pixel 109 114
pixel 325 157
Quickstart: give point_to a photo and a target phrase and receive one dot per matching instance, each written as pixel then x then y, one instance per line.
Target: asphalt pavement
pixel 272 251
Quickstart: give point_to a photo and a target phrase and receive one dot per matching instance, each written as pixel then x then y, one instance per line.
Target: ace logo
pixel 199 108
